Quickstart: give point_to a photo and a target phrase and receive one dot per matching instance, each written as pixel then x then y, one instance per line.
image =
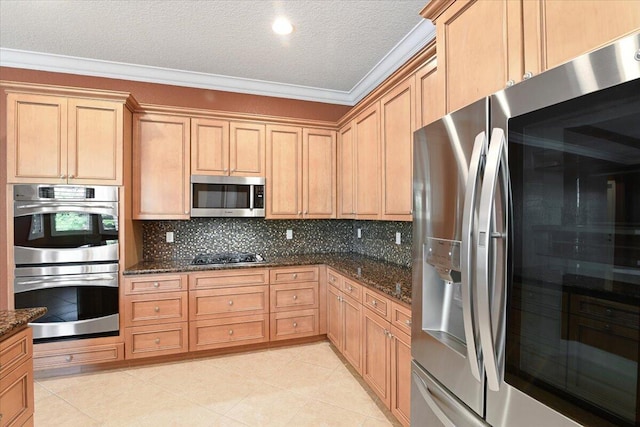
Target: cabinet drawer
pixel 294 324
pixel 153 309
pixel 377 303
pixel 156 340
pixel 232 331
pixel 78 356
pixel 228 302
pixel 16 395
pixel 334 279
pixel 15 350
pixel 606 311
pixel 293 275
pixel 146 284
pixel 228 278
pixel 401 317
pixel 352 289
pixel 294 296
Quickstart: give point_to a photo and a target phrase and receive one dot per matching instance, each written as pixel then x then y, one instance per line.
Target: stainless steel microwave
pixel 227 196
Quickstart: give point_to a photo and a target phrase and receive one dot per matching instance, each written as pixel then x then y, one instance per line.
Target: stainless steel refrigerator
pixel 526 252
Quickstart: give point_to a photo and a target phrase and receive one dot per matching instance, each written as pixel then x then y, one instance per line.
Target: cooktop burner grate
pixel 226 258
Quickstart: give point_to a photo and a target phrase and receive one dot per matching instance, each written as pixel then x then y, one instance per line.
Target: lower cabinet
pixel 156 340
pixel 53 358
pixel 294 301
pixel 16 380
pixel 376 354
pixel 401 375
pixel 344 315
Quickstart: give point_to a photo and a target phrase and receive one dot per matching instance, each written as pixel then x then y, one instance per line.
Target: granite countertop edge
pixel 13 320
pixel 391 279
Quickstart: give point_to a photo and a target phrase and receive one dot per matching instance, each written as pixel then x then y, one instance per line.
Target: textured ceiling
pixel 335 43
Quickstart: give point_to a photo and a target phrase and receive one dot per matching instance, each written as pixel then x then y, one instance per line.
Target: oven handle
pixel 466 262
pixel 36 208
pixel 48 282
pixel 486 268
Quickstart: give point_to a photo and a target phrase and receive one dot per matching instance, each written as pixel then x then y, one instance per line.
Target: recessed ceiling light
pixel 282 26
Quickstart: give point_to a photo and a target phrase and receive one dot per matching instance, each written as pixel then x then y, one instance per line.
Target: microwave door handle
pixel 496 161
pixel 466 252
pixel 252 190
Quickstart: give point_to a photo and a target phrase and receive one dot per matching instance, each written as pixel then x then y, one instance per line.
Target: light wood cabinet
pixel 16 379
pixel 523 38
pixel 161 167
pixel 228 308
pixel 401 364
pixel 230 149
pixel 376 355
pixel 155 315
pixel 64 140
pixel 294 296
pixel 429 94
pixel 346 173
pixel 77 356
pixel 397 116
pixel 344 314
pixel 301 172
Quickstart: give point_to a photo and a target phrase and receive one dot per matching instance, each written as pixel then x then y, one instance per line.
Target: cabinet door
pixel 367 138
pixel 161 167
pixel 36 138
pixel 95 142
pixel 376 354
pixel 209 147
pixel 247 149
pixel 346 173
pixel 284 172
pixel 398 120
pixel 352 336
pixel 334 317
pixel 401 377
pixel 479 49
pixel 319 173
pixel 429 94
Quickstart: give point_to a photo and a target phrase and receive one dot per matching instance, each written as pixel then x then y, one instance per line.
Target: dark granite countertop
pixel 12 320
pixel 380 275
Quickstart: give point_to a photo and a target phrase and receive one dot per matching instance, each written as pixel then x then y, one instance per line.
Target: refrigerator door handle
pixel 485 273
pixel 429 398
pixel 466 252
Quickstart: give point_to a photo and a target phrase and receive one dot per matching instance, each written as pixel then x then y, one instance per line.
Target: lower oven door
pixel 81 301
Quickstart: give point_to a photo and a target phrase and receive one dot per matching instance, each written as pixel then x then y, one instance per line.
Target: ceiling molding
pixel 418 37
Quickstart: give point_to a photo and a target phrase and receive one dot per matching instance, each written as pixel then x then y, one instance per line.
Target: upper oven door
pixel 65 231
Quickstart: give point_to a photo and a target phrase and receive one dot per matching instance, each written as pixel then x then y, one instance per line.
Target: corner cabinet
pixel 523 39
pixel 66 140
pixel 219 147
pixel 161 167
pixel 301 171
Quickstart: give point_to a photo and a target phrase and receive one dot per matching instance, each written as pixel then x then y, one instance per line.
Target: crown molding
pixel 419 36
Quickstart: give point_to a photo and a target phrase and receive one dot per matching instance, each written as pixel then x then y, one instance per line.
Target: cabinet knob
pixel 230 331
pixel 374 303
pixel 637 55
pixel 608 312
pixel 157 340
pixel 299 212
pixel 72 176
pixel 295 275
pixel 305 212
pixel 338 298
pixel 511 83
pixel 156 284
pixel 225 170
pixel 407 322
pixel 69 358
pixel 230 302
pixel 350 289
pixel 527 75
pixel 295 297
pixel 233 170
pixel 333 279
pixel 295 324
pixel 156 309
pixel 607 327
pixel 63 176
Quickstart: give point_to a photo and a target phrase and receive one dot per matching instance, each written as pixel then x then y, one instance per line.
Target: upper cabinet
pixel 161 167
pixel 484 46
pixel 346 172
pixel 397 114
pixel 231 149
pixel 429 104
pixel 66 140
pixel 301 171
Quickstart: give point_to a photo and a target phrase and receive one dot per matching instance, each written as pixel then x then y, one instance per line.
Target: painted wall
pixel 268 237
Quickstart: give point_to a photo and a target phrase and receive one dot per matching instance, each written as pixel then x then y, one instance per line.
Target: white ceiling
pixel 338 52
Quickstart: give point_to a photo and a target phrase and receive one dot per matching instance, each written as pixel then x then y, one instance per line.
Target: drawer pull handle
pixel 608 312
pixel 333 279
pixel 295 275
pixel 69 358
pixel 230 302
pixel 374 303
pixel 407 322
pixel 295 297
pixel 156 284
pixel 338 298
pixel 350 289
pixel 230 331
pixel 157 340
pixel 607 327
pixel 156 309
pixel 295 324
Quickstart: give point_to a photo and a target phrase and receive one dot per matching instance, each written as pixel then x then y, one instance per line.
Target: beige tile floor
pixel 304 385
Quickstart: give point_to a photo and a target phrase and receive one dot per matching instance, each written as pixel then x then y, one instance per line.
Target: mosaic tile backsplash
pixel 269 237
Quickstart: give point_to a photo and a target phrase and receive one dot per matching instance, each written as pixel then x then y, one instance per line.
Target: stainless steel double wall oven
pixel 526 252
pixel 66 258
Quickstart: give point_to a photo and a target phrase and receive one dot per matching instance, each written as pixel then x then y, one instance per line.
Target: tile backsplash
pixel 269 237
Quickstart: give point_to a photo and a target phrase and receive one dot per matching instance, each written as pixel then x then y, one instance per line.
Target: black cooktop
pixel 226 258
